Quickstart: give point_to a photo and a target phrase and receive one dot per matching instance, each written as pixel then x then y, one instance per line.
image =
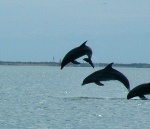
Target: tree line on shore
pixel 19 63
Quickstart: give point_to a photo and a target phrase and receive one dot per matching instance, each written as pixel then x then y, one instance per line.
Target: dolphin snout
pixel 83 83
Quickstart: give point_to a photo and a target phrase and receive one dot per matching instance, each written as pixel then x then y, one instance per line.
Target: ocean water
pixel 36 97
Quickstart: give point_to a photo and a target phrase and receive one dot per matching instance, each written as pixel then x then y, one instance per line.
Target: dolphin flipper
pixel 75 62
pixel 99 83
pixel 88 60
pixel 143 97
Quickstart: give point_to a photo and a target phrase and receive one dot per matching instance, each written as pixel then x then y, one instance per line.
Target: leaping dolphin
pixel 77 52
pixel 139 91
pixel 106 74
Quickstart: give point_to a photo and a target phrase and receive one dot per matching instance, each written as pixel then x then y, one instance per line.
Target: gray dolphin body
pixel 76 53
pixel 139 91
pixel 106 74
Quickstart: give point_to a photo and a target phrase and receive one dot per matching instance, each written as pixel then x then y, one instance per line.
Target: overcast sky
pixel 36 30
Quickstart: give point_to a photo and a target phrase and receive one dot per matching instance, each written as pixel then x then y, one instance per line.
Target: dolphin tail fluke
pixel 61 67
pixel 88 60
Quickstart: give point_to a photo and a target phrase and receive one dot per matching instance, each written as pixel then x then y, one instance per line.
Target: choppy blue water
pixel 35 97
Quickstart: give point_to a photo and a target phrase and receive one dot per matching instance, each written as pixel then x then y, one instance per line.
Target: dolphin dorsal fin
pixel 83 44
pixel 109 66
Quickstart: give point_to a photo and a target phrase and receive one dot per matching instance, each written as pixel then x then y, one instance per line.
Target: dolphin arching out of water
pixel 139 91
pixel 106 74
pixel 77 52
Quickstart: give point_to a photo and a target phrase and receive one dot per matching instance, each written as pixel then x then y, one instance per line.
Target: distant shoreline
pixel 18 63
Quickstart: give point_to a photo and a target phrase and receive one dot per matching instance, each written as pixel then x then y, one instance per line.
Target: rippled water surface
pixel 35 97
